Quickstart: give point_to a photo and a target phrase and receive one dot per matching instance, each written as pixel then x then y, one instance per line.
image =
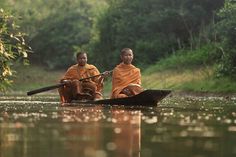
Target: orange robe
pixel 124 75
pixel 74 73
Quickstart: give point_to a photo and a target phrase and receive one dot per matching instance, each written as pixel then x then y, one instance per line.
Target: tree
pixel 55 42
pixel 68 28
pixel 57 30
pixel 152 28
pixel 12 47
pixel 227 32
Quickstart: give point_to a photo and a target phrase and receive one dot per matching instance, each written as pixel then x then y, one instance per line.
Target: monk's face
pixel 127 57
pixel 82 59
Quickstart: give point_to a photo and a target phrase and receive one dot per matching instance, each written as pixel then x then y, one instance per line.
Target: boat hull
pixel 145 98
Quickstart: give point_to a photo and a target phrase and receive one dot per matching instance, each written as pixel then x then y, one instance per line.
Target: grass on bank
pixel 198 80
pixel 33 77
pixel 189 71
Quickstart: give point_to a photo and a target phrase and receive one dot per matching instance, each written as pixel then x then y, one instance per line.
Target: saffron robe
pixel 125 76
pixel 87 89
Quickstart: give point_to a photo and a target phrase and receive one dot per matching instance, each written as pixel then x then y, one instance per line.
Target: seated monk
pixel 75 89
pixel 126 78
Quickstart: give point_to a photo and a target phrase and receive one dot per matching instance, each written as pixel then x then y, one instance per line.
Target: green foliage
pixel 152 28
pixel 12 47
pixel 62 32
pixel 54 42
pixel 212 84
pixel 226 28
pixel 57 30
pixel 199 79
pixel 206 55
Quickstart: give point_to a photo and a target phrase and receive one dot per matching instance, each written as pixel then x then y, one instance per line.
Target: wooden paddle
pixel 44 89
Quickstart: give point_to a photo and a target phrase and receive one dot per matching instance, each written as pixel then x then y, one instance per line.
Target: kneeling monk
pixel 75 89
pixel 126 78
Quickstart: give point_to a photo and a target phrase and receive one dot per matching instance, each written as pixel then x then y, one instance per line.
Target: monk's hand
pixel 67 82
pixel 127 92
pixel 106 74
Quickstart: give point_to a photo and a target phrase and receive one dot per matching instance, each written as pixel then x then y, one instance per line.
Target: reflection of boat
pixel 146 98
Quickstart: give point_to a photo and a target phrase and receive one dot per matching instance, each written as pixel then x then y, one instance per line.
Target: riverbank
pixel 201 79
pixel 197 81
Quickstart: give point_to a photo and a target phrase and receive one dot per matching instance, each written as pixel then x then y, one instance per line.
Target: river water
pixel 179 126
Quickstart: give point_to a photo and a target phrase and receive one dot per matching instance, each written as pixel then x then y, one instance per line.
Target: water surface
pixel 177 127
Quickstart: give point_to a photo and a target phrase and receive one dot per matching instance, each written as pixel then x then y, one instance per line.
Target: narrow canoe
pixel 146 98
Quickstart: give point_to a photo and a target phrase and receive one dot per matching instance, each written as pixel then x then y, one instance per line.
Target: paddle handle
pixel 94 76
pixel 45 89
pixel 59 85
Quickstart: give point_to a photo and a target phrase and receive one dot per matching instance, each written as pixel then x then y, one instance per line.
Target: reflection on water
pixel 177 127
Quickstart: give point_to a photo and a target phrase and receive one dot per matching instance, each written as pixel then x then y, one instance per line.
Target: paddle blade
pixel 40 90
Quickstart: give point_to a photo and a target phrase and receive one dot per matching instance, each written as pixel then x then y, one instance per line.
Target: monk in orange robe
pixel 126 78
pixel 75 89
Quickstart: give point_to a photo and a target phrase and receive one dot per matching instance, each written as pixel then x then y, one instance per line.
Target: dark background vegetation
pixel 155 29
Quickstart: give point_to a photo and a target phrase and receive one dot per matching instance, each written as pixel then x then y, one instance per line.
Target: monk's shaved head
pixel 124 50
pixel 80 53
pixel 126 55
pixel 81 58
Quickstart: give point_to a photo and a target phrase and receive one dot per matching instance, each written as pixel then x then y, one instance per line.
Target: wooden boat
pixel 145 98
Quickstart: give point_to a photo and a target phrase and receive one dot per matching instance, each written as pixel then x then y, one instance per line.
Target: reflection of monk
pixel 82 131
pixel 126 78
pixel 127 133
pixel 77 90
pixel 85 133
